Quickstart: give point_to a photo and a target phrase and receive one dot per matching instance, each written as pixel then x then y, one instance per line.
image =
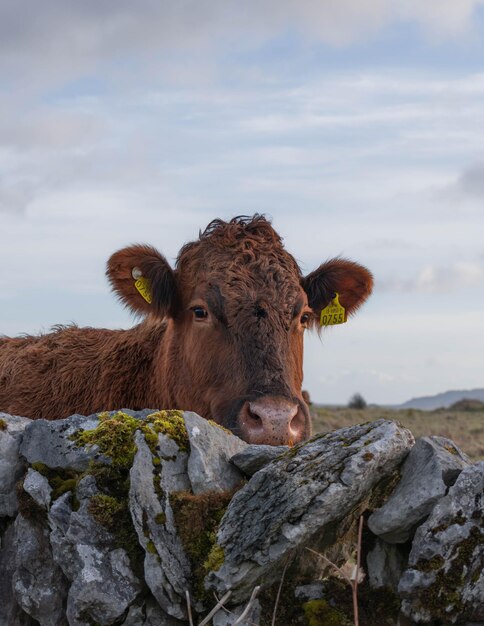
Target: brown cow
pixel 222 336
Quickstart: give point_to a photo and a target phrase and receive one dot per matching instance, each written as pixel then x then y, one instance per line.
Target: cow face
pixel 237 309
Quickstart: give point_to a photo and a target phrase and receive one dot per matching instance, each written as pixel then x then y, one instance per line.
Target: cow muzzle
pixel 272 420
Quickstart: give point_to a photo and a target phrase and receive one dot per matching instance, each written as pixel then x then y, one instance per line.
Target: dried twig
pixel 219 605
pixel 189 607
pixel 353 582
pixel 274 613
pixel 247 609
pixel 333 565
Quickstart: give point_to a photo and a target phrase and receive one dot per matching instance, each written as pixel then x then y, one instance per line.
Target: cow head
pixel 237 308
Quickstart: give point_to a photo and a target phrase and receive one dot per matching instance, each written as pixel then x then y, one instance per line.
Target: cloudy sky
pixel 357 125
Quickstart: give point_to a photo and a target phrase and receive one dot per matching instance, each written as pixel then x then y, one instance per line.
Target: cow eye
pixel 304 319
pixel 199 312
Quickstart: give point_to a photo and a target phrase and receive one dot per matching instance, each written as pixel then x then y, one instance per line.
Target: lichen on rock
pixel 445 574
pixel 123 512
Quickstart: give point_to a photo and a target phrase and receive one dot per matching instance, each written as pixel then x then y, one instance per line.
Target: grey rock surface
pixel 311 591
pixel 445 574
pixel 65 564
pixel 385 564
pixel 11 613
pixel 38 488
pixel 166 566
pixel 211 449
pixel 11 465
pixel 149 614
pixel 298 499
pixel 39 585
pixel 255 457
pixel 50 442
pixel 429 470
pixel 101 582
pixel 173 466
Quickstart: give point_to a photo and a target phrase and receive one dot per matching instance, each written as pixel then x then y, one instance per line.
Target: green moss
pixel 151 548
pixel 62 480
pixel 172 424
pixel 114 436
pixel 157 487
pixel 459 519
pixel 429 565
pixel 383 490
pixel 226 430
pixel 442 597
pixel 110 508
pixel 105 510
pixel 476 575
pixel 41 468
pixel 197 518
pixel 451 449
pixel 215 559
pixel 320 613
pixel 28 507
pixel 3 424
pixel 160 518
pixel 376 606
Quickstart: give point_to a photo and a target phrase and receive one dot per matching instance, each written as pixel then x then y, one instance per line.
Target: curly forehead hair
pixel 256 227
pixel 244 236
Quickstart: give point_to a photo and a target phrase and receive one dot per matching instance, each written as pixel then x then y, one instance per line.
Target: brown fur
pixel 249 346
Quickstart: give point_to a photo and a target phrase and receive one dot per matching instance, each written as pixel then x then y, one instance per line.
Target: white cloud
pixel 436 279
pixel 63 39
pixel 471 182
pixel 451 278
pixel 123 122
pixel 442 18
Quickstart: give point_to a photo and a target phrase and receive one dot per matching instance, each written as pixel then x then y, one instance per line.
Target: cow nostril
pixel 253 415
pixel 272 420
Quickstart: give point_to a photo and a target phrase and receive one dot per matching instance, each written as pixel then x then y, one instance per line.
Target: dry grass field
pixel 465 428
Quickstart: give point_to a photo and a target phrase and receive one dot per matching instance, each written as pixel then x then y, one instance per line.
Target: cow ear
pixel 351 281
pixel 143 279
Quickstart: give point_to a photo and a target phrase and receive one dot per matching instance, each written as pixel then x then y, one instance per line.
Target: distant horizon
pixel 399 404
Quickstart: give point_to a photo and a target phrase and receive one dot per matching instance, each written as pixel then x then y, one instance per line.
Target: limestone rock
pixel 50 443
pixel 173 466
pixel 431 467
pixel 10 612
pixel 298 499
pixel 102 584
pixel 167 569
pixel 311 591
pixel 149 614
pixel 39 584
pixel 38 488
pixel 385 564
pixel 255 457
pixel 211 448
pixel 11 465
pixel 445 575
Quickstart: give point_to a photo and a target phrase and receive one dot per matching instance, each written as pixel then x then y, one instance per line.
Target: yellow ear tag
pixel 144 287
pixel 333 314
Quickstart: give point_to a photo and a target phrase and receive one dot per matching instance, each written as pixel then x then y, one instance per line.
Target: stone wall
pixel 131 517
